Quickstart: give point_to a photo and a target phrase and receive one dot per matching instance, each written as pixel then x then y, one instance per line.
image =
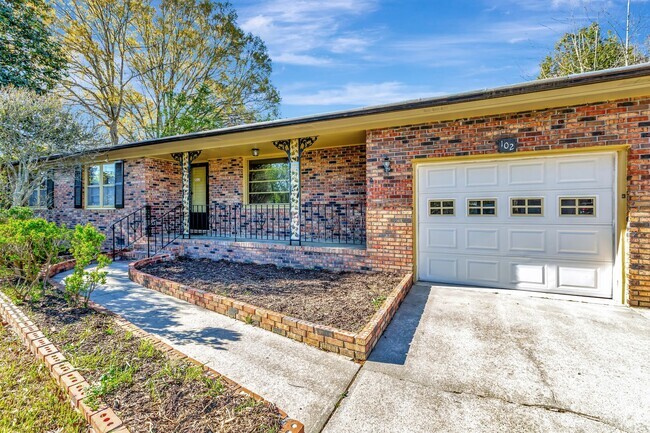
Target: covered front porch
pixel 294 193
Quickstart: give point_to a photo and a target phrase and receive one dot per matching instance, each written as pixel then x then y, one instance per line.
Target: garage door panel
pixel 527 274
pixel 481 239
pixel 526 173
pixel 482 176
pixel 440 238
pixel 569 248
pixel 438 178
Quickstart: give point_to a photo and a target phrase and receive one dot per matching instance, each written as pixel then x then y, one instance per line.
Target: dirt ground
pixel 149 392
pixel 345 300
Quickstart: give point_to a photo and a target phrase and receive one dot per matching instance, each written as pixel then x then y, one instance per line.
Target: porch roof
pixel 344 128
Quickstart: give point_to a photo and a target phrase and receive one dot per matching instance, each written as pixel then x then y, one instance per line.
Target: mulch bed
pixel 151 392
pixel 345 300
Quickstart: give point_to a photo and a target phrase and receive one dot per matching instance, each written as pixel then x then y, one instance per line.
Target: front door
pixel 199 198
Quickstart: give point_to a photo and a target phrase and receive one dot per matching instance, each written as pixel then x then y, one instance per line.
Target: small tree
pixel 85 246
pixel 35 132
pixel 28 249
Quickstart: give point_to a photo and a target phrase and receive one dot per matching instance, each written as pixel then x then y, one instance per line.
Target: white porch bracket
pixel 185 160
pixel 294 148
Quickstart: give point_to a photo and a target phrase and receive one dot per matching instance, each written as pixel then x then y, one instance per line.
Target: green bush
pixel 85 246
pixel 28 249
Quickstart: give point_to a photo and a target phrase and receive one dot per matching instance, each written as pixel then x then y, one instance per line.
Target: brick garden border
pixel 101 420
pixel 353 345
pixel 104 419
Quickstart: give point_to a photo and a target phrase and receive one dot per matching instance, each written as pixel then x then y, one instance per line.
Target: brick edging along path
pixel 104 419
pixel 354 345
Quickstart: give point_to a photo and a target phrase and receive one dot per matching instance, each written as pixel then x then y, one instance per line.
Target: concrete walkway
pixel 472 360
pixel 305 382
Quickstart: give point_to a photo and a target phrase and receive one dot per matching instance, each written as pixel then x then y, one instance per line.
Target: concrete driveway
pixel 464 360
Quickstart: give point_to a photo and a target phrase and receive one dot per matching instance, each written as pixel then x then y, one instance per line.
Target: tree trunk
pixel 114 134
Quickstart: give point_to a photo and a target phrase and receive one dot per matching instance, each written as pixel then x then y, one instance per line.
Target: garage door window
pixel 577 206
pixel 482 206
pixel 442 207
pixel 523 206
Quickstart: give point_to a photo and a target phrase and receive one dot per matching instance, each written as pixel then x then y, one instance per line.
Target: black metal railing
pixel 341 223
pixel 261 222
pixel 325 223
pixel 127 230
pixel 164 230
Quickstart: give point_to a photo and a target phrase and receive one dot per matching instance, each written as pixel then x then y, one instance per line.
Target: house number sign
pixel 507 145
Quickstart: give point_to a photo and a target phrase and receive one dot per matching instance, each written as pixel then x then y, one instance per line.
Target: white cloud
pixel 359 94
pixel 306 32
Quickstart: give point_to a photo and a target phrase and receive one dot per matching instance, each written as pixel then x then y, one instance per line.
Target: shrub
pixel 85 246
pixel 28 249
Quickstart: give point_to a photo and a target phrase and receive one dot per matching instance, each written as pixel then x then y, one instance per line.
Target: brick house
pixel 540 186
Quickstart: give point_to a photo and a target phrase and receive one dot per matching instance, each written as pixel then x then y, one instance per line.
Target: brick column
pixel 185 160
pixel 294 148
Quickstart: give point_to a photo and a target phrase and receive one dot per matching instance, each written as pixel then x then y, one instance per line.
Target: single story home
pixel 541 186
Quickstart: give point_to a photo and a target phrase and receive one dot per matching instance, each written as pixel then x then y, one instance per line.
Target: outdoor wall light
pixel 386 165
pixel 255 151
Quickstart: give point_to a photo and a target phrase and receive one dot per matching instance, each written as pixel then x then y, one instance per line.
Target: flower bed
pixel 98 357
pixel 357 345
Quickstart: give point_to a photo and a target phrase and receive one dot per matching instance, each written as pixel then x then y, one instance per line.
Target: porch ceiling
pixel 231 146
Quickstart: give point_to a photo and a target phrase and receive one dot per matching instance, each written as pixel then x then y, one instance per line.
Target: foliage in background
pixel 30 55
pixel 34 130
pixel 589 49
pixel 28 249
pixel 85 246
pixel 147 69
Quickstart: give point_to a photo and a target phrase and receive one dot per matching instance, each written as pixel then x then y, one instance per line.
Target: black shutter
pixel 119 184
pixel 49 184
pixel 78 185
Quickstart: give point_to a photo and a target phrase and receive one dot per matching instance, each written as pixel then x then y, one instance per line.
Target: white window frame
pixel 526 206
pixel 442 207
pixel 38 190
pixel 101 186
pixel 248 182
pixel 577 205
pixel 482 207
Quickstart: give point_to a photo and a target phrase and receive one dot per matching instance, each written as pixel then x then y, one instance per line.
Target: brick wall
pixel 335 175
pixel 310 257
pixel 226 180
pixel 390 200
pixel 146 180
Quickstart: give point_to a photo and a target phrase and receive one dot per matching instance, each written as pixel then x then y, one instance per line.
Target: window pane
pixel 586 202
pixel 586 211
pixel 273 198
pixel 535 210
pixel 518 202
pixel 489 211
pixel 535 202
pixel 93 175
pixel 109 174
pixel 42 197
pixel 33 198
pixel 474 211
pixel 568 211
pixel 489 203
pixel 448 212
pixel 568 202
pixel 519 211
pixel 109 196
pixel 93 196
pixel 435 212
pixel 435 204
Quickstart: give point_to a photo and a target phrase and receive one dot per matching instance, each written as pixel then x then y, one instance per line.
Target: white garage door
pixel 544 224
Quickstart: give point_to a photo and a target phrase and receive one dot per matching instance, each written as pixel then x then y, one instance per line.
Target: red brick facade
pixel 355 174
pixel 390 197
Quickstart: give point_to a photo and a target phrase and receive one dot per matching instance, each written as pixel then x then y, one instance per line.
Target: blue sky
pixel 338 54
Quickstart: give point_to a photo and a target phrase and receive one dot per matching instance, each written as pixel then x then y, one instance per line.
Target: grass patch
pixel 30 401
pixel 378 301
